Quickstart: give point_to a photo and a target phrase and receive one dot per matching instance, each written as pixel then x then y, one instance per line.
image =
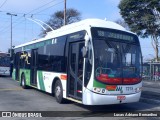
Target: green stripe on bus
pixel 14 74
pixel 41 82
pixel 27 75
pixel 98 84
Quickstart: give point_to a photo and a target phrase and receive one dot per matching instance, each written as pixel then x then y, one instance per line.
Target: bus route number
pixel 101 33
pixel 129 88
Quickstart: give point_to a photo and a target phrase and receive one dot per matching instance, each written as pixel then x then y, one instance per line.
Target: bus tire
pixel 58 92
pixel 23 82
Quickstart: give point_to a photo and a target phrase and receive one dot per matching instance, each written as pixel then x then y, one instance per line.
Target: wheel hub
pixel 58 91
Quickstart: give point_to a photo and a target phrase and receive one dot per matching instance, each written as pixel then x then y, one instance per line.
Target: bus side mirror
pixel 85 52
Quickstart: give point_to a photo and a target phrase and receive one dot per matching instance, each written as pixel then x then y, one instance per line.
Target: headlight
pixel 139 89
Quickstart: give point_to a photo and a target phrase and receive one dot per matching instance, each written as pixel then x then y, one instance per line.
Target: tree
pixel 143 18
pixel 57 19
pixel 122 23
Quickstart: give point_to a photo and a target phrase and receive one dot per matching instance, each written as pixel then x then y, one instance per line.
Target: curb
pixel 150 101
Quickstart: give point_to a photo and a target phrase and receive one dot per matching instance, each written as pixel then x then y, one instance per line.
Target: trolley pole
pixel 11 31
pixel 65 12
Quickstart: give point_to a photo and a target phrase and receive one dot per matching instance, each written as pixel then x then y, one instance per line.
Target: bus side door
pixel 75 70
pixel 17 65
pixel 33 73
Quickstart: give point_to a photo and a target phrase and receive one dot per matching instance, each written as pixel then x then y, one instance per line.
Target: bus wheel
pixel 58 92
pixel 23 81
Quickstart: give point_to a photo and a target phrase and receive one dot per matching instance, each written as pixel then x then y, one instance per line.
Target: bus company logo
pixel 119 88
pixel 113 88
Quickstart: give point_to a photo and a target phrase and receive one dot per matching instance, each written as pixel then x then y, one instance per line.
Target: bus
pixel 92 62
pixel 4 64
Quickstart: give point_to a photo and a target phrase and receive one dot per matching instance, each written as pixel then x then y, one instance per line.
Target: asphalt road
pixel 14 98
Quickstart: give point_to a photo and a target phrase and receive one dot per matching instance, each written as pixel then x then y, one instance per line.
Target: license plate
pixel 121 97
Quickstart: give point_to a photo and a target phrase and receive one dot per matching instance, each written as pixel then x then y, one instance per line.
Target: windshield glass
pixel 116 62
pixel 4 61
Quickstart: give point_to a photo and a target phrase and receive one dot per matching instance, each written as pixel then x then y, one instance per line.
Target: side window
pixel 25 59
pixel 43 59
pixel 57 58
pixel 51 57
pixel 28 59
pixel 22 60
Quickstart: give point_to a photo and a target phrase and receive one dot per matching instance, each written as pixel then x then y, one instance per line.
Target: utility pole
pixel 11 31
pixel 65 12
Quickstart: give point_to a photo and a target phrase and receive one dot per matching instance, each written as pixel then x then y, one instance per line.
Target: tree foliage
pixel 143 18
pixel 122 23
pixel 57 19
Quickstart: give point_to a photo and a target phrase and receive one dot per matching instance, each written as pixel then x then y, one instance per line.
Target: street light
pixel 65 12
pixel 11 30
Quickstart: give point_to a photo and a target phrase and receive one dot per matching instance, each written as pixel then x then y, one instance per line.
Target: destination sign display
pixel 114 35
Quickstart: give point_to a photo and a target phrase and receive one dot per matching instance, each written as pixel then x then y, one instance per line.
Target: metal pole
pixel 65 12
pixel 11 31
pixel 11 38
pixel 150 71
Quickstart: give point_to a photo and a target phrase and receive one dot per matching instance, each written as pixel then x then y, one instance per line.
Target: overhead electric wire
pixel 41 6
pixel 49 7
pixel 28 13
pixel 32 14
pixel 41 10
pixel 17 13
pixel 3 4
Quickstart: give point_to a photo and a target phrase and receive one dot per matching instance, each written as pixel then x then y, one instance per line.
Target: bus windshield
pixel 117 61
pixel 4 61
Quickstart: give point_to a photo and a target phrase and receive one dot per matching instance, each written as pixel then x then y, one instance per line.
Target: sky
pixel 25 30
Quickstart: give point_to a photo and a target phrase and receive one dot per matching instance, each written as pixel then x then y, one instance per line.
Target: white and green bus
pixel 93 62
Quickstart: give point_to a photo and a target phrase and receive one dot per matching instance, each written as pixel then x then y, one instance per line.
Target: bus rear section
pixel 117 67
pixel 4 64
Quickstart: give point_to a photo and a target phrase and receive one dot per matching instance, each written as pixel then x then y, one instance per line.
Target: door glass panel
pixel 80 62
pixel 72 68
pixel 75 70
pixel 73 57
pixel 34 68
pixel 80 70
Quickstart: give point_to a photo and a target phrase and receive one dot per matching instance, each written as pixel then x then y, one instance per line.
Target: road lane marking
pixel 10 89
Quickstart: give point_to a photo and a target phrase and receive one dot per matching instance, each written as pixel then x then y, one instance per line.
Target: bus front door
pixel 75 70
pixel 17 65
pixel 33 73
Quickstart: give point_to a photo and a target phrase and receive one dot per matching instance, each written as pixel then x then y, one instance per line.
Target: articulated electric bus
pixel 93 62
pixel 4 64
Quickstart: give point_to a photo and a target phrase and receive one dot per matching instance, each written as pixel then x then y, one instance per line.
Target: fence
pixel 151 71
